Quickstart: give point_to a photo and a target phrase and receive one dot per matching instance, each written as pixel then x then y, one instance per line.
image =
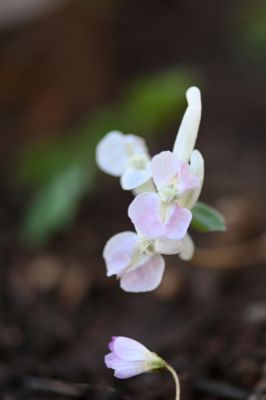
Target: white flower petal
pixel 125 369
pixel 188 248
pixel 189 199
pixel 188 130
pixel 165 166
pixel 168 246
pixel 118 252
pixel 128 349
pixel 111 155
pixel 115 149
pixel 134 177
pixel 135 145
pixel 144 278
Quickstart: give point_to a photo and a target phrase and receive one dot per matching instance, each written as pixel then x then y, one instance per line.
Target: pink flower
pixel 124 156
pixel 158 215
pixel 136 260
pixel 130 358
pixel 171 176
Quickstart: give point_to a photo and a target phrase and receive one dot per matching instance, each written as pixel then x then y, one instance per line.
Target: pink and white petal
pixel 164 166
pixel 168 246
pixel 128 349
pixel 178 222
pixel 188 180
pixel 135 145
pixel 134 177
pixel 188 130
pixel 188 248
pixel 144 212
pixel 111 155
pixel 133 369
pixel 146 277
pixel 119 251
pixel 188 200
pixel 125 369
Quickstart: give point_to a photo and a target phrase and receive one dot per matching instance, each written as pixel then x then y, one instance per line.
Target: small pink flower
pixel 130 358
pixel 137 261
pixel 124 156
pixel 171 176
pixel 137 271
pixel 159 214
pixel 155 219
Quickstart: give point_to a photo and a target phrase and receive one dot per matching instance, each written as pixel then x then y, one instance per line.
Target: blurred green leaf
pixel 250 26
pixel 206 218
pixel 49 166
pixel 54 205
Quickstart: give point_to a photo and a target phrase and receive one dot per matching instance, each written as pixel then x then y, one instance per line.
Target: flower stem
pixel 177 384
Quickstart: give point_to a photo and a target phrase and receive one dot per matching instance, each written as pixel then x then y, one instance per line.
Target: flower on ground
pixel 124 156
pixel 137 261
pixel 129 358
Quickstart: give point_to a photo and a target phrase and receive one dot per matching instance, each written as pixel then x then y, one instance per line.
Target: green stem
pixel 177 384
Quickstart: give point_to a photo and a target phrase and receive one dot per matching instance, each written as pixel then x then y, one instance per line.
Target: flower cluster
pixel 166 186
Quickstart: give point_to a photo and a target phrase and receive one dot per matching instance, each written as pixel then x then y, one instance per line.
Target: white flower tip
pixel 188 248
pixel 194 97
pixel 110 154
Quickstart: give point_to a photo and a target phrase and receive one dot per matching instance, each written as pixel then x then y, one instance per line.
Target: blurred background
pixel 70 71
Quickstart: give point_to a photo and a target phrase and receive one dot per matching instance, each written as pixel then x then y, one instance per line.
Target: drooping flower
pixel 129 358
pixel 124 156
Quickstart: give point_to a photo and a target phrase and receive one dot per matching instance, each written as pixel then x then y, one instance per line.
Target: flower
pixel 185 143
pixel 124 156
pixel 189 127
pixel 166 188
pixel 137 261
pixel 130 358
pixel 158 214
pixel 178 178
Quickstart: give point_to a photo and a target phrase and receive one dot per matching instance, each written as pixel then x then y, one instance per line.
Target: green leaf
pixel 206 218
pixel 55 205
